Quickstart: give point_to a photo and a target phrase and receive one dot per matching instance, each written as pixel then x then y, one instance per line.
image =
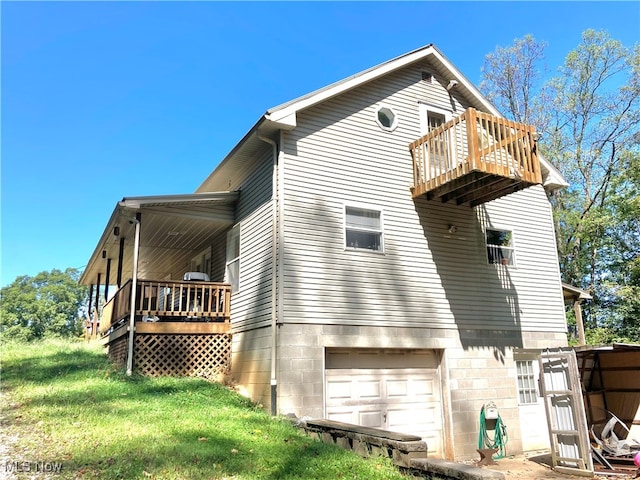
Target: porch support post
pixel 90 300
pixel 106 280
pixel 95 319
pixel 120 258
pixel 89 327
pixel 98 295
pixel 134 288
pixel 577 308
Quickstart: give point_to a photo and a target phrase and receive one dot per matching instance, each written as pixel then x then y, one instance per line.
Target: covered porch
pixel 158 297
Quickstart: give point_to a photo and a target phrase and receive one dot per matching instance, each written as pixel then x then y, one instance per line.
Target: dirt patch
pixel 537 467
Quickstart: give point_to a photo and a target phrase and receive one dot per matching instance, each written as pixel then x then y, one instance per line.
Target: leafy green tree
pixel 623 250
pixel 591 125
pixel 594 134
pixel 49 304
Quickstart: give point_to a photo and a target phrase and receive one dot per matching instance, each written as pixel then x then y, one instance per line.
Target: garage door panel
pixel 372 419
pixel 397 388
pixel 368 388
pixel 434 445
pixel 345 416
pixel 417 415
pixel 425 386
pixel 363 358
pixel 339 389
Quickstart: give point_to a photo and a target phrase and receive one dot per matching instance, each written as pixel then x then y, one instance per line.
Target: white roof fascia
pixel 286 110
pixel 138 202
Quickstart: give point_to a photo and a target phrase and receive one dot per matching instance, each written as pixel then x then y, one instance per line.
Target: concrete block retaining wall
pixel 408 452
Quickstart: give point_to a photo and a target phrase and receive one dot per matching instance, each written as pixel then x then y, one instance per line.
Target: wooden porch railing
pixel 168 300
pixel 492 149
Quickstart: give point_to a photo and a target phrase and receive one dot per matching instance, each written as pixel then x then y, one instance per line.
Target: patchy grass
pixel 64 404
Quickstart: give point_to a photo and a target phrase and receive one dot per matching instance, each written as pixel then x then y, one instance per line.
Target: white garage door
pixel 397 390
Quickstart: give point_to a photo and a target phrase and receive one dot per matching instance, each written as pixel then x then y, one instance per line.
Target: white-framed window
pixel 363 228
pixel 438 147
pixel 232 270
pixel 527 390
pixel 386 117
pixel 500 246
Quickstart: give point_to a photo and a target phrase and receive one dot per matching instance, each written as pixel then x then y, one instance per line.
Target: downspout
pixel 274 274
pixel 134 287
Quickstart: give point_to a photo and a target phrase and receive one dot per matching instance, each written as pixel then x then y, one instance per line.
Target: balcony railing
pixel 474 158
pixel 169 301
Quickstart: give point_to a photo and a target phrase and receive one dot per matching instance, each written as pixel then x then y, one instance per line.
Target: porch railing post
pixel 472 135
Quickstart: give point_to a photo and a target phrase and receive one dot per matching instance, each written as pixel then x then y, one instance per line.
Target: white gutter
pixel 134 287
pixel 274 274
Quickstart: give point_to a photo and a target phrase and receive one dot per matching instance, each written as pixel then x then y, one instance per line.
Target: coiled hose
pixel 500 437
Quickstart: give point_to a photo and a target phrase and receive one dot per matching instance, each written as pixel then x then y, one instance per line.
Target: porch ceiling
pixel 173 229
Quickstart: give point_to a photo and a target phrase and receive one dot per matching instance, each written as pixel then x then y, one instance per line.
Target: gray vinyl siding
pixel 338 155
pixel 251 304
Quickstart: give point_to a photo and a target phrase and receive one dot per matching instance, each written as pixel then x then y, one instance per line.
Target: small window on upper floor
pixel 500 248
pixel 363 229
pixel 386 118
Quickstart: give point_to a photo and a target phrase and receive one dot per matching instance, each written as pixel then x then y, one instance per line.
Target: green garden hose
pixel 500 438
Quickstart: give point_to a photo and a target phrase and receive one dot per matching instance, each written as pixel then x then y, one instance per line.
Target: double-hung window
pixel 363 229
pixel 500 248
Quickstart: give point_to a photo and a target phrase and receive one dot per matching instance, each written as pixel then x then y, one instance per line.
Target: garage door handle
pixel 384 417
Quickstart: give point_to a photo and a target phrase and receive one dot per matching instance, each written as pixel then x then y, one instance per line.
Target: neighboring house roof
pixel 175 225
pixel 284 116
pixel 614 347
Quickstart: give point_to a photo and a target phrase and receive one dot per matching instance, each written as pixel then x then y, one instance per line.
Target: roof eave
pixel 284 116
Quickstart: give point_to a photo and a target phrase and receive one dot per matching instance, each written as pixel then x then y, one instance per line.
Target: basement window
pixel 386 118
pixel 500 249
pixel 363 229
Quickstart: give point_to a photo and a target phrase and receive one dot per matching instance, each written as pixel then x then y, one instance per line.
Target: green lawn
pixel 64 404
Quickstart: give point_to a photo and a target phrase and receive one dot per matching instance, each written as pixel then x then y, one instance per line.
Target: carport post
pixel 577 308
pixel 134 287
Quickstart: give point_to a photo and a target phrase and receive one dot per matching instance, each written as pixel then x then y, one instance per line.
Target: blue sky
pixel 102 100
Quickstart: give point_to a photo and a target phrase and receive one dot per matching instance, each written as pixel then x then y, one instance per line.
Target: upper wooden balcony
pixel 170 307
pixel 475 158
